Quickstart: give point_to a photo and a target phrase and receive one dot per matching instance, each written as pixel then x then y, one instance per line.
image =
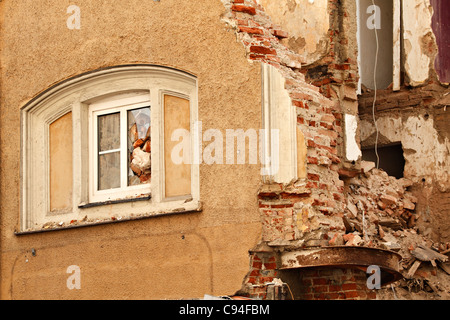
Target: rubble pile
pixel 381 213
pixel 377 203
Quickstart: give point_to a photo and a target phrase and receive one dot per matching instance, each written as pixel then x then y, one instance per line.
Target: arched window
pixel 105 138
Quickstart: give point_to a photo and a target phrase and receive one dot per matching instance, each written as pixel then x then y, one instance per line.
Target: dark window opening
pixel 391 159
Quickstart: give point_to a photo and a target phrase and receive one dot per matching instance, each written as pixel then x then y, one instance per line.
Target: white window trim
pixel 280 125
pixel 75 95
pixel 121 105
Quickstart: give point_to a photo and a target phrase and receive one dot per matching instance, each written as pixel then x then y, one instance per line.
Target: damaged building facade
pixel 254 148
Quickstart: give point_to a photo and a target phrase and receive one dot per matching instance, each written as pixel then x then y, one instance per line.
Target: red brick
pixel 333 296
pixel 312 185
pixel 314 177
pixel 372 295
pixel 301 96
pixel 312 160
pixel 251 280
pixel 280 33
pixel 307 282
pixel 244 9
pixel 270 266
pixel 320 281
pixel 251 30
pixel 349 286
pixel 262 50
pixel 319 289
pixel 351 294
pixel 256 258
pixel 266 279
pixel 311 143
pixel 334 288
pixel 255 273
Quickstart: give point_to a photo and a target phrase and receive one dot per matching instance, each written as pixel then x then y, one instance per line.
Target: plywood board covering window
pixel 61 164
pixel 177 176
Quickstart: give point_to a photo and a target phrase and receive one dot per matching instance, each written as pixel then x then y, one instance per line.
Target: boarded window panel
pixel 61 164
pixel 177 176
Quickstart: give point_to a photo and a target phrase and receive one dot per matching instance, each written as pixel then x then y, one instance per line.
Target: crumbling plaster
pixel 307 23
pixel 419 41
pixel 426 153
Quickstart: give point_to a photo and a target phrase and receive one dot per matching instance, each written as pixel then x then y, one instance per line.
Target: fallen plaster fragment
pixel 353 152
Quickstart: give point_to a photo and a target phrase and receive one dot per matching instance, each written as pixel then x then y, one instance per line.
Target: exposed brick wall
pixel 318 117
pixel 263 270
pixel 321 283
pixel 334 284
pixel 310 210
pixel 430 95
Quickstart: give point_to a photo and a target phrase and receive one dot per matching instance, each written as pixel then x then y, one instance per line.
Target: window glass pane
pixel 109 132
pixel 139 146
pixel 109 171
pixel 109 151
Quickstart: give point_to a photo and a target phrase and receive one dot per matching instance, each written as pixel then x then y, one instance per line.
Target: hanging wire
pixel 375 93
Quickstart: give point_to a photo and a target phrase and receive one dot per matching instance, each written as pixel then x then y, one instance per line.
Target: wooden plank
pixel 413 269
pixel 444 267
pixel 426 254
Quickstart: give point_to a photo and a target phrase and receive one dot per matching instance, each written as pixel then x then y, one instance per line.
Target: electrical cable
pixel 375 93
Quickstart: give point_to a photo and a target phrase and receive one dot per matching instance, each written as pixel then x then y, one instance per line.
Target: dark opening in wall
pixel 391 159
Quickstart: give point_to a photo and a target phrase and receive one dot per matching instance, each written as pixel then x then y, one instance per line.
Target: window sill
pixel 105 203
pixel 112 220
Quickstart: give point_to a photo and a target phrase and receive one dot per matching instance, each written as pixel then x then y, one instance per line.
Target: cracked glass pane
pixel 139 146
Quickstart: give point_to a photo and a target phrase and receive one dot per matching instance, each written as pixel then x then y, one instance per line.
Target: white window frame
pixel 122 105
pixel 76 95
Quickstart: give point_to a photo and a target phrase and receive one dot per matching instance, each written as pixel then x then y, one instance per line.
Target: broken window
pixel 139 146
pixel 391 158
pixel 96 140
pixel 122 145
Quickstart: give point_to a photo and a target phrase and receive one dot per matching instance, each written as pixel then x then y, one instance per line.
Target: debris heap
pixel 381 213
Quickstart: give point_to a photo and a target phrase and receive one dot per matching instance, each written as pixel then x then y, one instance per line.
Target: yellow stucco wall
pixel 178 256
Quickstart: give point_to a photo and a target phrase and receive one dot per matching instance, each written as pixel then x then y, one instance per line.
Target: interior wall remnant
pixel 418 40
pixel 307 23
pixel 353 152
pixel 376 24
pixel 426 152
pixel 280 122
pixel 441 28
